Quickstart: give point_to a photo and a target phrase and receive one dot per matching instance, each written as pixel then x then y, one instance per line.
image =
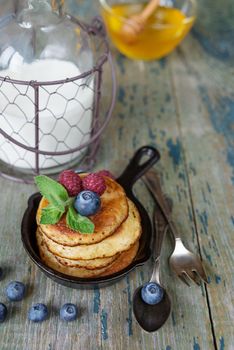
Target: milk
pixel 65 112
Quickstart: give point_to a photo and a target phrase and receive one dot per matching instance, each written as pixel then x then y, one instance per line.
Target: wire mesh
pixel 49 126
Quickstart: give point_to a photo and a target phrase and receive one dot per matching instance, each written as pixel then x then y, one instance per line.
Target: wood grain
pixel 184 106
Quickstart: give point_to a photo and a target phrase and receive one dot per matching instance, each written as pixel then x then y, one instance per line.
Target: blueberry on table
pixel 152 293
pixel 38 313
pixel 68 312
pixel 87 203
pixel 3 312
pixel 15 291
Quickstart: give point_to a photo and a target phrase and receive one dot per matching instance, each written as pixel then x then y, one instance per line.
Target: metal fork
pixel 187 266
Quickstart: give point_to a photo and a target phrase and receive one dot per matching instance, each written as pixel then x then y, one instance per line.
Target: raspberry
pixel 105 173
pixel 71 181
pixel 94 182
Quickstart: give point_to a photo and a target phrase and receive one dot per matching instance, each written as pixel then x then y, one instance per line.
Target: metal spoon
pixel 152 317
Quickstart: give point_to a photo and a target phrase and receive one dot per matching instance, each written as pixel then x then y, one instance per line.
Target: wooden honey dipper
pixel 135 24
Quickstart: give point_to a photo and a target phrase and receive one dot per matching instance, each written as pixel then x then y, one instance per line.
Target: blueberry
pixel 3 312
pixel 68 312
pixel 38 313
pixel 15 291
pixel 87 203
pixel 152 293
pixel 1 273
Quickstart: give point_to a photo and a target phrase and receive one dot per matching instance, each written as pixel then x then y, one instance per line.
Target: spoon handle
pixel 159 236
pixel 160 228
pixel 152 182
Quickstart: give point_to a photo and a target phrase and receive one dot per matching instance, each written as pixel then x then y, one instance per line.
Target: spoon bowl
pixel 151 317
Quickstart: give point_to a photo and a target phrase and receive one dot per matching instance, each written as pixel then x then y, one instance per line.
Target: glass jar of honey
pixel 164 30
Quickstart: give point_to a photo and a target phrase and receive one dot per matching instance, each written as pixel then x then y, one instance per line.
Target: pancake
pixel 121 262
pixel 114 210
pixel 125 259
pixel 51 260
pixel 87 264
pixel 124 237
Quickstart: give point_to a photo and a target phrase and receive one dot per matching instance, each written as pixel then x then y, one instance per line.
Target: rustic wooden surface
pixel 184 105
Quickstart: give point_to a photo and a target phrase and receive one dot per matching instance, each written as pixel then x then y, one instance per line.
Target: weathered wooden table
pixel 184 105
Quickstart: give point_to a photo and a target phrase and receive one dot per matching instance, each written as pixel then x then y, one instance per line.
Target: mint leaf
pixel 86 225
pixel 50 215
pixel 53 191
pixel 78 222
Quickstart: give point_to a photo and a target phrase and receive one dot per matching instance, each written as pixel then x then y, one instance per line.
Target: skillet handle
pixel 136 168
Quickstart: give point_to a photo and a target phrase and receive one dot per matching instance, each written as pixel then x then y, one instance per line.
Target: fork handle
pixel 152 182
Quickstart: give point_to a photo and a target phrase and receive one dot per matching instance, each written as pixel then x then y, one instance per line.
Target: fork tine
pixel 197 277
pixel 201 272
pixel 184 278
pixel 194 277
pixel 188 276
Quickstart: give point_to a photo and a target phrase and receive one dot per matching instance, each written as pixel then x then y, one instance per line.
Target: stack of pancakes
pixel 111 248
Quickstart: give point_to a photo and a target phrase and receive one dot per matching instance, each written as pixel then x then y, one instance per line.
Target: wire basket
pixel 39 132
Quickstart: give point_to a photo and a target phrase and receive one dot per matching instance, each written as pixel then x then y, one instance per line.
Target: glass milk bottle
pixel 46 95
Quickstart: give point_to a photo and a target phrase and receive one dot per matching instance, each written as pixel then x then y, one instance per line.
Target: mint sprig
pixel 59 203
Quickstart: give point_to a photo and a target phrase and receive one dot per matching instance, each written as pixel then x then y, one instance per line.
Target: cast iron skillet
pixel 137 166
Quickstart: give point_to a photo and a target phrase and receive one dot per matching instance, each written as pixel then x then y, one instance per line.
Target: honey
pixel 163 32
